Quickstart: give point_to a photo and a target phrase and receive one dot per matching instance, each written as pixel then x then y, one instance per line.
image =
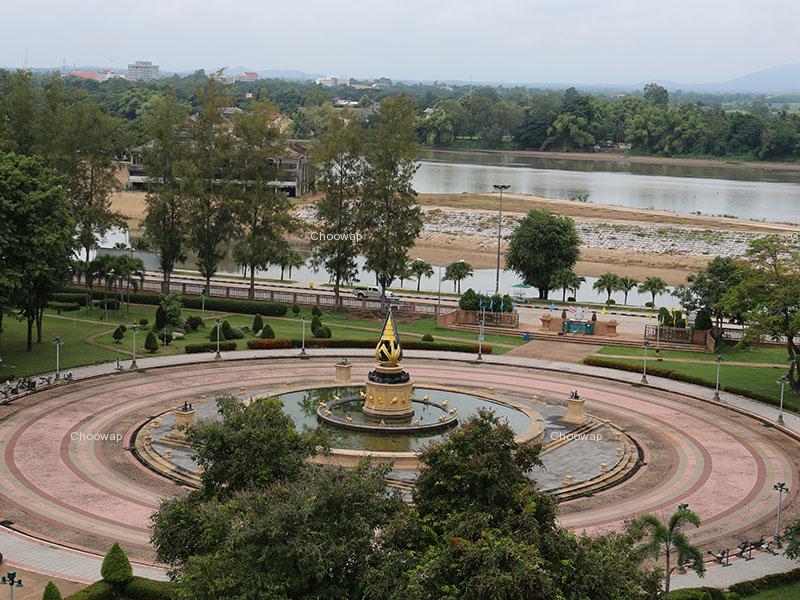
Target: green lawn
pixel 728 352
pixel 788 592
pixel 759 380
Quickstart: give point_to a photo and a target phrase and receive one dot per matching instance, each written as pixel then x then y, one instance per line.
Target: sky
pixel 512 41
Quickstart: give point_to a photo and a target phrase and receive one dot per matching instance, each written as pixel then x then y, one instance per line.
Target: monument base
pixel 388 394
pixel 576 414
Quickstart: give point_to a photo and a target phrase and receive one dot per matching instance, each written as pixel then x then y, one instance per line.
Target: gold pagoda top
pixel 388 352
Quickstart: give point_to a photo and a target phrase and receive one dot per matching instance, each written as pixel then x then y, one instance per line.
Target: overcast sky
pixel 587 41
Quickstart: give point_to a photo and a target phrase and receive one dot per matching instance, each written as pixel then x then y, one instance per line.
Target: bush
pixel 749 588
pixel 99 590
pixel 471 301
pixel 649 304
pixel 703 320
pixel 161 318
pixel 209 347
pixel 144 322
pixel 69 298
pixel 323 332
pixel 258 323
pixel 269 344
pixel 315 311
pixel 51 592
pixel 108 304
pixel 193 323
pixel 316 322
pixel 60 307
pixel 140 588
pixel 116 568
pixel 331 343
pixel 229 333
pixel 702 593
pixel 610 301
pixel 296 309
pixel 151 342
pixel 427 337
pixel 267 333
pixel 118 334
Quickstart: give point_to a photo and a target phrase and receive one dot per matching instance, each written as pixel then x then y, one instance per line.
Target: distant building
pixel 247 76
pixel 92 75
pixel 332 81
pixel 143 70
pixel 342 103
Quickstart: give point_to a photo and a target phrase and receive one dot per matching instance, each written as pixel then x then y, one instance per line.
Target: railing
pixel 677 335
pixel 734 336
pixel 491 319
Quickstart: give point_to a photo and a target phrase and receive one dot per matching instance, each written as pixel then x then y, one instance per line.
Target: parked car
pixel 372 292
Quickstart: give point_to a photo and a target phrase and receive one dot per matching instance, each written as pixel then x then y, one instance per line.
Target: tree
pixel 608 282
pixel 18 112
pixel 654 286
pixel 338 165
pixel 151 342
pixel 205 179
pixel 541 245
pixel 625 285
pixel 566 279
pixel 668 539
pixel 166 124
pixel 768 297
pixel 37 241
pixel 419 269
pixel 656 94
pixel 390 219
pixel 289 258
pixel 708 287
pixel 262 208
pixel 51 592
pixel 791 535
pixel 118 334
pixel 457 272
pixel 116 568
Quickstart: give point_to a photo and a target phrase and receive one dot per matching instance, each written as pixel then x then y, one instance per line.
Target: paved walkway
pixel 722 464
pixel 718 576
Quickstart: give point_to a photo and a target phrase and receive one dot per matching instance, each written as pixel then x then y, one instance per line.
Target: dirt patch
pixel 555 350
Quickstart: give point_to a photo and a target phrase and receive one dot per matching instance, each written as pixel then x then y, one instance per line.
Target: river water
pixel 743 193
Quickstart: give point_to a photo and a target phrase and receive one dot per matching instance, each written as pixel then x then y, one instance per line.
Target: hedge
pixel 677 376
pixel 60 307
pixel 233 305
pixel 78 298
pixel 334 343
pixel 210 347
pixel 137 588
pixel 99 590
pixel 701 593
pixel 776 580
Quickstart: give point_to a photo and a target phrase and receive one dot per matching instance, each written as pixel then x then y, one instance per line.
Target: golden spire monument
pixel 389 387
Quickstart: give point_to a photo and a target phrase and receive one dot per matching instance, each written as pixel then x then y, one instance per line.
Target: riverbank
pixel 632 159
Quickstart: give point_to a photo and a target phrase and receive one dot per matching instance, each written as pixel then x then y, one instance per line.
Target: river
pixel 742 193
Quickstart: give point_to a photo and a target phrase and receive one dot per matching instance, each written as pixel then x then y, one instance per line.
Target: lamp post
pixel 303 340
pixel 218 323
pixel 782 381
pixel 58 342
pixel 133 329
pixel 480 334
pixel 500 188
pixel 10 579
pixel 717 360
pixel 439 301
pixel 658 336
pixel 645 345
pixel 781 488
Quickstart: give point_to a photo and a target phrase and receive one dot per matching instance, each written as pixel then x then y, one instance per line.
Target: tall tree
pixel 708 287
pixel 541 245
pixel 566 279
pixel 457 272
pixel 420 268
pixel 608 282
pixel 626 284
pixel 338 164
pixel 38 240
pixel 166 124
pixel 205 180
pixel 262 209
pixel 18 112
pixel 390 218
pixel 655 286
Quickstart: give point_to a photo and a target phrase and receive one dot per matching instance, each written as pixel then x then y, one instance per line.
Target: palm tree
pixel 419 269
pixel 669 538
pixel 131 273
pixel 566 279
pixel 626 284
pixel 457 272
pixel 102 269
pixel 653 285
pixel 290 259
pixel 405 273
pixel 608 282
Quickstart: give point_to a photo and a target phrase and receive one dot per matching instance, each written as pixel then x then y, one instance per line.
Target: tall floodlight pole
pixel 133 329
pixel 781 488
pixel 303 353
pixel 782 381
pixel 218 323
pixel 58 342
pixel 500 188
pixel 645 345
pixel 717 360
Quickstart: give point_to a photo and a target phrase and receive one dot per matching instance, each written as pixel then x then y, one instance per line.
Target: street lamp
pixel 133 329
pixel 781 488
pixel 439 300
pixel 717 360
pixel 58 342
pixel 218 322
pixel 303 343
pixel 782 381
pixel 10 579
pixel 683 506
pixel 500 188
pixel 645 345
pixel 480 334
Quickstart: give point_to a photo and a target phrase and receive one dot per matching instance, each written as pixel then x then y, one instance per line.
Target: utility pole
pixel 500 188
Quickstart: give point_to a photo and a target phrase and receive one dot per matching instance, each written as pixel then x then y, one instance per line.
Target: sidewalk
pixel 718 576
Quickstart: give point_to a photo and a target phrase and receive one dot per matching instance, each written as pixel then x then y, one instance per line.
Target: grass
pixel 76 329
pixel 756 354
pixel 787 592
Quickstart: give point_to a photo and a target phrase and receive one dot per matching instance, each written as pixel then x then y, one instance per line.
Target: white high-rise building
pixel 142 70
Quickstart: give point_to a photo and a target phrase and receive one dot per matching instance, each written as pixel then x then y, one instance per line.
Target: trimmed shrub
pixel 323 332
pixel 161 318
pixel 649 304
pixel 333 343
pixel 78 298
pixel 315 311
pixel 99 590
pixel 702 593
pixel 269 344
pixel 109 304
pixel 60 307
pixel 258 323
pixel 471 301
pixel 209 347
pixel 140 588
pixel 212 335
pixel 749 588
pixel 51 592
pixel 610 301
pixel 118 334
pixel 267 333
pixel 427 337
pixel 144 322
pixel 703 320
pixel 116 568
pixel 193 323
pixel 296 309
pixel 229 333
pixel 151 342
pixel 315 323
